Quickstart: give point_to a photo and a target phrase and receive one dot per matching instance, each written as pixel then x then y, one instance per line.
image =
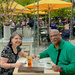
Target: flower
pixel 7 13
pixel 5 18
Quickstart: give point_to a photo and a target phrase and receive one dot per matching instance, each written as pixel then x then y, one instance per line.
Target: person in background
pixel 42 22
pixel 20 20
pixel 59 20
pixel 74 29
pixel 66 32
pixel 52 25
pixel 19 26
pixel 36 25
pixel 27 23
pixel 62 54
pixel 25 19
pixel 10 55
pixel 23 23
pixel 12 25
pixel 31 22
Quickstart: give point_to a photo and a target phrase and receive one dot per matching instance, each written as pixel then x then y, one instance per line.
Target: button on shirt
pixel 66 58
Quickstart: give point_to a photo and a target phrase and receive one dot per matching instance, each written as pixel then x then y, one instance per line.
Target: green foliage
pixel 24 2
pixel 66 12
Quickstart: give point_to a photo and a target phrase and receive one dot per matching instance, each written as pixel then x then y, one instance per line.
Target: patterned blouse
pixel 12 58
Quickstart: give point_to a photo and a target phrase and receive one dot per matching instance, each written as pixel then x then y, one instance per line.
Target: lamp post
pixel 71 23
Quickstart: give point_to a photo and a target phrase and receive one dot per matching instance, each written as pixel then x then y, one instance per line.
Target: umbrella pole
pixel 37 26
pixel 45 17
pixel 49 13
pixel 71 23
pixel 34 28
pixel 49 20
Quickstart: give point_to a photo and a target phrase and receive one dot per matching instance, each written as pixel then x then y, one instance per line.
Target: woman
pixel 10 55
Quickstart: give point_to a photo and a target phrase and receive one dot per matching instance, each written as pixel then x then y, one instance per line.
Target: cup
pixel 36 61
pixel 48 65
pixel 38 56
pixel 29 62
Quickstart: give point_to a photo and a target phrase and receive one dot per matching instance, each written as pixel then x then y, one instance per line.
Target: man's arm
pixel 44 54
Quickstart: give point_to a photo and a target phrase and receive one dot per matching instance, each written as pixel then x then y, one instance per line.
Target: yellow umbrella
pixel 16 14
pixel 13 5
pixel 40 13
pixel 50 4
pixel 45 4
pixel 32 10
pixel 23 12
pixel 26 12
pixel 25 9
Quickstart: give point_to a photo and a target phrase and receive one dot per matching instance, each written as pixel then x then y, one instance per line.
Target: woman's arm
pixel 23 54
pixel 6 65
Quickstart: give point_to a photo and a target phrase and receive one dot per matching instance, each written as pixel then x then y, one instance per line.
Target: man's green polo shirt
pixel 66 58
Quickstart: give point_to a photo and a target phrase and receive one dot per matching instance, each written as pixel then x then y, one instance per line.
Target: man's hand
pixel 56 68
pixel 33 56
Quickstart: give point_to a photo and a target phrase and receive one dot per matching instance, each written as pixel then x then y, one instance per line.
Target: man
pixel 52 25
pixel 31 22
pixel 65 63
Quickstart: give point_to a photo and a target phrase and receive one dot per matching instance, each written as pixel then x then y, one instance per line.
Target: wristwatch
pixel 61 69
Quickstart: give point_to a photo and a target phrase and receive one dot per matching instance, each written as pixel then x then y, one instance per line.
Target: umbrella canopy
pixel 17 14
pixel 26 12
pixel 45 4
pixel 13 5
pixel 50 4
pixel 25 9
pixel 40 13
pixel 23 12
pixel 32 10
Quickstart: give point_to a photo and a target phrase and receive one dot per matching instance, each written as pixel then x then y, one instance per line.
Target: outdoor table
pixel 46 71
